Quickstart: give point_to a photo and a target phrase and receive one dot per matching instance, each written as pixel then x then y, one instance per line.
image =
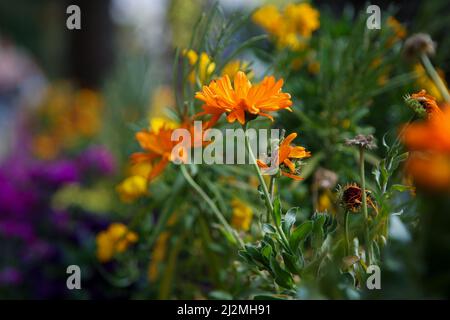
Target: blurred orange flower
pixel 244 101
pixel 429 143
pixel 288 156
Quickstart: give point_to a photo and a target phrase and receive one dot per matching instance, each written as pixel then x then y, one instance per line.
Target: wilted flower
pixel 419 43
pixel 362 141
pixel 116 239
pixel 242 215
pixel 351 198
pixel 244 101
pixel 288 157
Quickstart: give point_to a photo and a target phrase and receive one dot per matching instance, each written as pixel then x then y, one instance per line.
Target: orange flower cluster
pixel 429 143
pixel 244 101
pixel 287 156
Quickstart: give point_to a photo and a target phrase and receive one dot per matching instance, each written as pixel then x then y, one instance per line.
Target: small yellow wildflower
pixel 269 18
pixel 160 122
pixel 205 67
pixel 242 215
pixel 116 239
pixel 141 169
pixel 302 18
pixel 232 68
pixel 292 27
pixel 132 188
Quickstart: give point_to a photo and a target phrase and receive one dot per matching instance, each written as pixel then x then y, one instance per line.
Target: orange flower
pixel 158 149
pixel 285 153
pixel 427 102
pixel 429 163
pixel 158 146
pixel 244 101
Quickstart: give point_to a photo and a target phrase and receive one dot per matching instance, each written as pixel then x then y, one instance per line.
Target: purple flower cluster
pixel 28 223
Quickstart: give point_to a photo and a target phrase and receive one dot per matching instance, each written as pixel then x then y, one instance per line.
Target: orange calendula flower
pixel 158 145
pixel 242 101
pixel 429 143
pixel 288 156
pixel 422 101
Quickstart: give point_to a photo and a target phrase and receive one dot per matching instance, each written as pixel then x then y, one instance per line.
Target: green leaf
pixel 300 234
pixel 289 220
pixel 282 277
pixel 268 228
pixel 277 210
pixel 266 252
pixel 290 262
pixel 401 188
pixel 317 232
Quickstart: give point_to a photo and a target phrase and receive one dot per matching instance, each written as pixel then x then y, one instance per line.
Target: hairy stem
pixel 212 205
pixel 364 206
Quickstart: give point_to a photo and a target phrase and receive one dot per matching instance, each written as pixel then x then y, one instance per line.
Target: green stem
pixel 432 73
pixel 167 280
pixel 364 206
pixel 212 205
pixel 347 240
pixel 272 187
pixel 267 197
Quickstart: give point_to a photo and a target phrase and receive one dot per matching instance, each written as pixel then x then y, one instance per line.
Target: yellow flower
pixel 302 18
pixel 116 239
pixel 424 82
pixel 324 203
pixel 242 215
pixel 233 67
pixel 204 67
pixel 132 188
pixel 292 27
pixel 157 123
pixel 141 169
pixel 269 18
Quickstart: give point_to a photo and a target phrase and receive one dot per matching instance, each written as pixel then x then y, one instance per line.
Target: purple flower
pixel 97 159
pixel 10 276
pixel 56 173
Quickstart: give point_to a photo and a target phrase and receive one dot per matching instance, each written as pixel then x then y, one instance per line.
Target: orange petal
pixel 261 164
pixel 292 176
pixel 290 165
